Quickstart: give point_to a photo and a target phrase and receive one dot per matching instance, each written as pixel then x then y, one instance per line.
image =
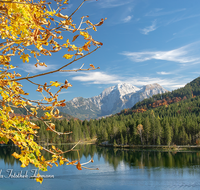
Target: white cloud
pixel 180 55
pixel 164 82
pixel 64 92
pixel 104 78
pixel 113 3
pixel 182 18
pixel 157 12
pixel 163 73
pixel 97 78
pixel 30 68
pixel 127 19
pixel 149 28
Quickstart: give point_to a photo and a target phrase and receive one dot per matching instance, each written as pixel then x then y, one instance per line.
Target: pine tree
pixel 147 127
pixel 122 139
pixel 168 133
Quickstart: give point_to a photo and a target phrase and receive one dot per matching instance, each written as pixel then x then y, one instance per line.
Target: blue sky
pixel 144 42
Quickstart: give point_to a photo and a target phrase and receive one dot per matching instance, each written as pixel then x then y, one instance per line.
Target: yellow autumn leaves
pixel 34 28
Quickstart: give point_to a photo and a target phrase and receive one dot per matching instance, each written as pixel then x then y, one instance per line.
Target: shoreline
pixel 155 147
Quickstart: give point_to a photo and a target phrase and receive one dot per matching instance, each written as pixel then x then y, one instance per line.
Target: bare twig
pixel 89 168
pixel 7 45
pixel 57 70
pixel 77 9
pixel 37 83
pixel 75 70
pixel 71 148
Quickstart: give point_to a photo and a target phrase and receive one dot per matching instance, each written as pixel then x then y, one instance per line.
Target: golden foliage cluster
pixel 34 29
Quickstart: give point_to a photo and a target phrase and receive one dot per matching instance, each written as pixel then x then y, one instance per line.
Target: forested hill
pixel 190 90
pixel 177 121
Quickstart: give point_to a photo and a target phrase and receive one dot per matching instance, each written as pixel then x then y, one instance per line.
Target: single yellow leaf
pixel 25 57
pixel 16 155
pixel 56 84
pixel 68 56
pixel 39 179
pixel 85 34
pixel 61 162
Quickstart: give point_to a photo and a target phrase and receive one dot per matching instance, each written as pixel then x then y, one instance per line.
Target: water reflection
pixel 113 156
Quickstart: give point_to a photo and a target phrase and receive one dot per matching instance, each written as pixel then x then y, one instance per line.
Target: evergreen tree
pixel 168 133
pixel 122 139
pixel 147 128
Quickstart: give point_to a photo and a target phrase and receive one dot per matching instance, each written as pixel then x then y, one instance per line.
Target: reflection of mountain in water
pixel 115 157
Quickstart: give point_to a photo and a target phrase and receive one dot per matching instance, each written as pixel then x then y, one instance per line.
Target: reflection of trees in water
pixel 114 156
pixel 149 159
pixel 163 159
pixel 5 154
pixel 84 150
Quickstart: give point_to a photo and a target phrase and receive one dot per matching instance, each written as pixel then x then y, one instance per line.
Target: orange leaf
pixel 72 162
pixel 74 38
pixel 91 65
pixel 78 166
pixel 74 31
pixel 85 48
pixel 94 28
pixel 52 125
pixel 100 23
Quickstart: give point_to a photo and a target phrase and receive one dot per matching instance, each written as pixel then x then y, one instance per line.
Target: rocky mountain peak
pixel 111 100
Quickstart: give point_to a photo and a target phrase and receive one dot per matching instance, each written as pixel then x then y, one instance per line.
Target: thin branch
pixel 69 16
pixel 90 168
pixel 37 83
pixel 86 162
pixel 79 70
pixel 49 151
pixel 77 9
pixel 57 70
pixel 7 45
pixel 71 148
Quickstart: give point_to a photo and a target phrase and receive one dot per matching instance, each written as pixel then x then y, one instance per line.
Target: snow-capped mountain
pixel 112 100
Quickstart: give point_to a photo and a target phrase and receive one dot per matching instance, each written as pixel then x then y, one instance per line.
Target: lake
pixel 118 169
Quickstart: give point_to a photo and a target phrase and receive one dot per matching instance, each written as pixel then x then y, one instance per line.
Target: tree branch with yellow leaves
pixel 29 28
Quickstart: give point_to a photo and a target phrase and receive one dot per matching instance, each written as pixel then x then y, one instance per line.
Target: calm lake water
pixel 118 169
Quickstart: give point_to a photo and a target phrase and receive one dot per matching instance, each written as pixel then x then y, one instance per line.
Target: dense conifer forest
pixel 167 119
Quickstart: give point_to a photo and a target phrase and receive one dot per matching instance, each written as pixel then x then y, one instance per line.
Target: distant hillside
pixel 110 101
pixel 190 90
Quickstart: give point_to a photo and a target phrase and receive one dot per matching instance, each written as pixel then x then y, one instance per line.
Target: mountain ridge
pixel 110 101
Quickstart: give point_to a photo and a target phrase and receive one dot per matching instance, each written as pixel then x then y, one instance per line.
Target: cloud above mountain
pixel 97 78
